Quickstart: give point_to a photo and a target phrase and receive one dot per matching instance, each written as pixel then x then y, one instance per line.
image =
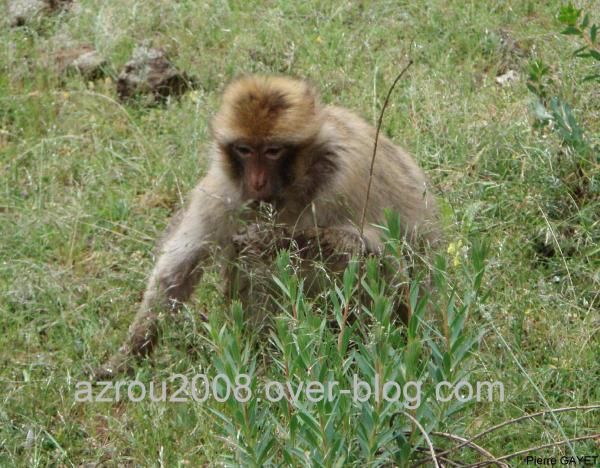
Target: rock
pixel 81 59
pixel 21 12
pixel 150 73
pixel 507 78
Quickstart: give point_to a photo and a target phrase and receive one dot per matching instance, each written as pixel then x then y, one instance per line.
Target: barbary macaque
pixel 275 143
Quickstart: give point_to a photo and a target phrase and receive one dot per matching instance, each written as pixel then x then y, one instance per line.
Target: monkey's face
pixel 261 168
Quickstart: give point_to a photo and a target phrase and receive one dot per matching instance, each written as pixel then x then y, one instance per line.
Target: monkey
pixel 274 142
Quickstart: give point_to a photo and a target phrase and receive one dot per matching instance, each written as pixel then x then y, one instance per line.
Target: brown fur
pixel 325 193
pixel 267 107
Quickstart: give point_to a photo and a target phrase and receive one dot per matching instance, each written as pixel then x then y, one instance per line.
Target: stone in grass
pixel 151 75
pixel 81 59
pixel 20 12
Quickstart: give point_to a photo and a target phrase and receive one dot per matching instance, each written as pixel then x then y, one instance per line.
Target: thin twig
pixel 539 447
pixel 532 383
pixel 562 255
pixel 533 415
pixel 512 421
pixel 448 461
pixel 379 122
pixel 425 436
pixel 474 446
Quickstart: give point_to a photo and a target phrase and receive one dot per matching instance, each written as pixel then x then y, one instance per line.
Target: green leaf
pixel 568 15
pixel 457 325
pixel 346 338
pixel 594 33
pixel 350 277
pixel 585 22
pixel 263 450
pixel 392 219
pixel 436 353
pixel 595 77
pixel 540 112
pixel 447 363
pixel 595 54
pixel 282 286
pixel 533 89
pixel 537 69
pixel 413 295
pixel 578 52
pixel 569 129
pixel 462 347
pixel 411 355
pixel 572 30
pixel 412 326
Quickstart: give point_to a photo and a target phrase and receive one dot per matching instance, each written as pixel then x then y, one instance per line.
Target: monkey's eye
pixel 273 152
pixel 243 150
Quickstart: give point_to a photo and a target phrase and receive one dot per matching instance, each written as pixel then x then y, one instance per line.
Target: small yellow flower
pixel 193 95
pixel 318 39
pixel 65 95
pixel 454 251
pixel 451 248
pixel 454 247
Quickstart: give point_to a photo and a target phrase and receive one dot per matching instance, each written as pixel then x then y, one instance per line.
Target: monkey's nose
pixel 260 183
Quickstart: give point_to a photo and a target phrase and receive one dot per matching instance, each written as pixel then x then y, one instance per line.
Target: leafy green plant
pixel 350 342
pixel 580 26
pixel 552 111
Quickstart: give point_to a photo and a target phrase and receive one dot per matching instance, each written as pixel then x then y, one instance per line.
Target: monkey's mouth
pixel 260 196
pixel 256 201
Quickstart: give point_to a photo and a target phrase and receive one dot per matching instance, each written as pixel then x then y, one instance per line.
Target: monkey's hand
pixel 261 240
pixel 120 363
pixel 334 246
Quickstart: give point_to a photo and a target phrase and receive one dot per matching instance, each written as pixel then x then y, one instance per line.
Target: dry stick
pixel 533 449
pixel 512 421
pixel 533 415
pixel 474 446
pixel 427 439
pixel 442 459
pixel 385 103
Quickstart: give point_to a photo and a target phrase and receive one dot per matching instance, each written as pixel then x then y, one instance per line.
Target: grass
pixel 87 185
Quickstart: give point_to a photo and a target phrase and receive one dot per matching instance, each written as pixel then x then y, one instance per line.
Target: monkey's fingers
pixel 120 363
pixel 260 240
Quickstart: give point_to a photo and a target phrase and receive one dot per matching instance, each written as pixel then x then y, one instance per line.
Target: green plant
pixel 88 184
pixel 349 338
pixel 576 25
pixel 552 111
